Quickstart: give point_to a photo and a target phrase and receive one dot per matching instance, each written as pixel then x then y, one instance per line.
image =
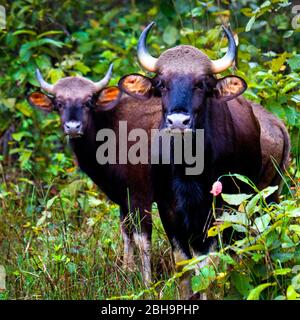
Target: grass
pixel 66 244
pixel 62 240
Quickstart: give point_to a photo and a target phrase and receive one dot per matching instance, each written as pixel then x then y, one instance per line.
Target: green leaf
pixel 24 157
pixel 251 205
pixel 282 256
pixel 250 24
pixel 9 103
pixel 191 262
pixel 73 187
pixel 242 283
pixel 50 202
pixel 71 267
pixel 255 293
pixel 280 297
pixel 213 231
pixel 24 108
pixel 55 75
pixel 235 199
pixel 282 271
pixel 198 284
pixel 48 33
pixel 277 63
pixel 288 34
pixel 109 15
pixel 25 51
pixel 255 247
pixel 43 62
pixel 295 213
pixel 81 67
pixel 42 219
pixel 261 223
pixel 296 279
pixel 257 256
pixel 265 4
pixel 26 181
pixel 227 259
pixel 170 35
pixel 268 191
pixel 239 228
pixel 202 281
pixel 237 217
pixel 81 36
pixel 18 32
pixel 289 86
pixel 292 294
pixel 94 202
pixel 19 135
pixel 294 62
pixel 295 228
pixel 243 179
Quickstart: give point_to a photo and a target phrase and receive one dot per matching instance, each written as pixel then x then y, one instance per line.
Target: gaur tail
pixel 285 159
pixel 286 150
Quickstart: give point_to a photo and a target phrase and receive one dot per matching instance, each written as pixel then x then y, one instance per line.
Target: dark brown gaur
pixel 240 137
pixel 85 107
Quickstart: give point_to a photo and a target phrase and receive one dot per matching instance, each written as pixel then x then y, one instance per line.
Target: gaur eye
pixel 59 105
pixel 162 86
pixel 199 86
pixel 89 104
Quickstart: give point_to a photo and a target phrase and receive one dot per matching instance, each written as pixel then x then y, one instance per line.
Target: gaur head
pixel 184 80
pixel 75 99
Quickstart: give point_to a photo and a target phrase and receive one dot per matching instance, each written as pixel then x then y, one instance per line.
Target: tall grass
pixel 66 244
pixel 62 240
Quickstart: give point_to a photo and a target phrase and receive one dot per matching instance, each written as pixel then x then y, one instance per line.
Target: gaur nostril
pixel 186 121
pixel 169 121
pixel 178 120
pixel 73 126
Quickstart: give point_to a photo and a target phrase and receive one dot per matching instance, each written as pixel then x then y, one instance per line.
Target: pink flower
pixel 216 188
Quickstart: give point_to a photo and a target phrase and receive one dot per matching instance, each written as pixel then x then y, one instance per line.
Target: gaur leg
pixel 181 252
pixel 178 238
pixel 143 243
pixel 141 224
pixel 127 234
pixel 201 244
pixel 207 261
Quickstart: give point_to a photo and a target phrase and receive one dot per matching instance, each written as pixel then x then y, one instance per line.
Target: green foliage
pixel 263 263
pixel 266 255
pixel 58 237
pixel 77 38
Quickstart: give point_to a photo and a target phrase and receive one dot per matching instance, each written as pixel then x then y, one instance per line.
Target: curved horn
pixel 225 62
pixel 146 60
pixel 44 85
pixel 103 82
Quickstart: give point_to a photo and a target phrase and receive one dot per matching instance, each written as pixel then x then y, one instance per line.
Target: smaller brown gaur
pixel 85 107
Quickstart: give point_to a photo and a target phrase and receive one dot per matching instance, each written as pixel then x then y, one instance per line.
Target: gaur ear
pixel 136 85
pixel 230 87
pixel 40 100
pixel 108 98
